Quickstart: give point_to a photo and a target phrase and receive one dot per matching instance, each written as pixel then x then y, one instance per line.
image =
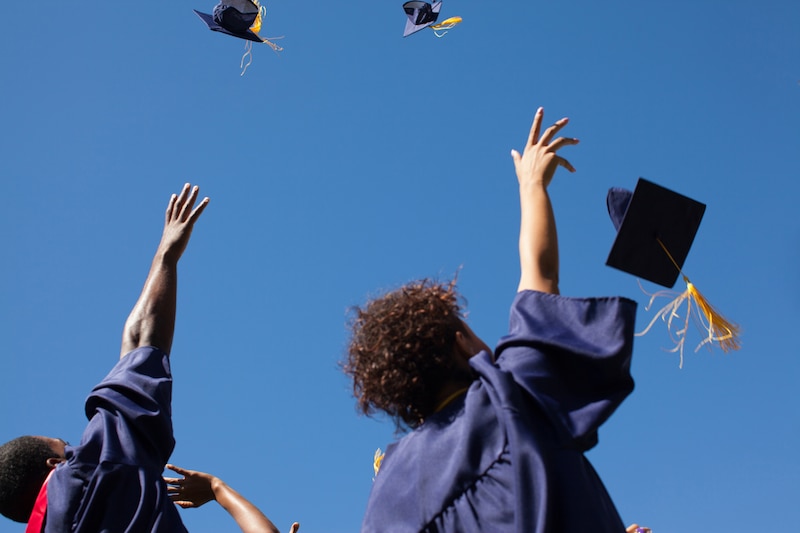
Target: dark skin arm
pixel 152 319
pixel 198 488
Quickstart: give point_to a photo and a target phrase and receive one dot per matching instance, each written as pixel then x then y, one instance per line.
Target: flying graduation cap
pixel 422 15
pixel 242 19
pixel 655 230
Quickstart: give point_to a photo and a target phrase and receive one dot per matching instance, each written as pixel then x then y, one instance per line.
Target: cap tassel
pixel 377 460
pixel 445 26
pixel 256 28
pixel 707 318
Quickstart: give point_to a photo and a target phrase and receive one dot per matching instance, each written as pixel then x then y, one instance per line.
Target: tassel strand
pixel 716 327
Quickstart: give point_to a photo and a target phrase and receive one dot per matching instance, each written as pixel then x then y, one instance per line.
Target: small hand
pixel 179 221
pixel 192 490
pixel 539 160
pixel 636 528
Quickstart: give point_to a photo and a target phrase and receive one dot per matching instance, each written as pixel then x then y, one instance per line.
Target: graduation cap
pixel 420 15
pixel 655 230
pixel 242 19
pixel 234 17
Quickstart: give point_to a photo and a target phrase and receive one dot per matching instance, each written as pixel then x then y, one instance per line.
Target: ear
pixel 52 462
pixel 463 346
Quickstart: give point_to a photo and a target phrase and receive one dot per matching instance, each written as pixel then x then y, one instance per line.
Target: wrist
pixel 533 185
pixel 218 487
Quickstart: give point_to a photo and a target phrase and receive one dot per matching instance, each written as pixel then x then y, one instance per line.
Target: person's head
pixel 25 463
pixel 405 346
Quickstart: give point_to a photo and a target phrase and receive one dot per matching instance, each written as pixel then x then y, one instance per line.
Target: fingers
pixel 535 127
pixel 536 137
pixel 181 206
pixel 564 163
pixel 183 504
pixel 189 204
pixel 560 143
pixel 178 470
pixel 177 203
pixel 186 201
pixel 199 209
pixel 552 130
pixel 171 207
pixel 295 527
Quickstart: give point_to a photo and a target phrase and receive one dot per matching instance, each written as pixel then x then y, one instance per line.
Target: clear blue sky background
pixel 357 160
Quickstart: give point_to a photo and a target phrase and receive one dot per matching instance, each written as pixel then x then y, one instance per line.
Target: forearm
pixel 538 240
pixel 249 518
pixel 152 319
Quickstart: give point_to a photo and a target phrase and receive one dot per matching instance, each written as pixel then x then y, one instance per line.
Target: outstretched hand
pixel 539 160
pixel 194 489
pixel 179 221
pixel 538 240
pixel 151 322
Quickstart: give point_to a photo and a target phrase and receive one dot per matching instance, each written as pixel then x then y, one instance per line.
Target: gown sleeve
pixel 572 357
pixel 112 480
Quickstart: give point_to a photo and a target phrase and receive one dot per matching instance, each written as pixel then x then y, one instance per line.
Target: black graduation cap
pixel 655 230
pixel 233 17
pixel 420 15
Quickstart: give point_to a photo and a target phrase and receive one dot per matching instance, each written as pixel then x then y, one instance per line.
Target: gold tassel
pixel 445 26
pixel 707 318
pixel 255 28
pixel 377 460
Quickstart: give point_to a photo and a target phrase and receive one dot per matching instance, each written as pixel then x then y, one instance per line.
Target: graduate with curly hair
pixel 497 439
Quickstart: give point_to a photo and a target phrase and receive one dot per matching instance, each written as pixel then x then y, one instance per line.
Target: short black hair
pixel 23 469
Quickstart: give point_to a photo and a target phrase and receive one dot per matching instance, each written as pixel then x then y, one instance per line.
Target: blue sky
pixel 357 160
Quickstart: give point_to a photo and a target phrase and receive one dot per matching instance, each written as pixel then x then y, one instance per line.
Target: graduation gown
pixel 112 481
pixel 508 456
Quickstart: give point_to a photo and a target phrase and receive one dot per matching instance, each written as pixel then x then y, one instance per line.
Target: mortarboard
pixel 420 15
pixel 233 17
pixel 242 19
pixel 655 230
pixel 650 215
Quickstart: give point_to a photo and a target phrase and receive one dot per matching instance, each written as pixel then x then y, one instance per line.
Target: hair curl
pixel 23 469
pixel 401 350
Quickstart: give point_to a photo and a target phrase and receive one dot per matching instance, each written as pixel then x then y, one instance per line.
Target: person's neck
pixel 449 392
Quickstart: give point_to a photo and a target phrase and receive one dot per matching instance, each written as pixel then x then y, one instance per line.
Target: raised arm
pixel 197 488
pixel 538 241
pixel 152 320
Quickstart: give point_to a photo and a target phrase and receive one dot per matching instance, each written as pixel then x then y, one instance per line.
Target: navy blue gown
pixel 508 456
pixel 112 481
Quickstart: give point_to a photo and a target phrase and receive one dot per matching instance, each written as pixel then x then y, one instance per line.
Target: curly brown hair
pixel 401 350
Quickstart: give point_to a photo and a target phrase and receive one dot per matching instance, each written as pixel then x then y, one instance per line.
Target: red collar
pixel 36 521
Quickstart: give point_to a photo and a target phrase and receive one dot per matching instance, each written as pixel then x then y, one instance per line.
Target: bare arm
pixel 538 241
pixel 198 488
pixel 152 319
